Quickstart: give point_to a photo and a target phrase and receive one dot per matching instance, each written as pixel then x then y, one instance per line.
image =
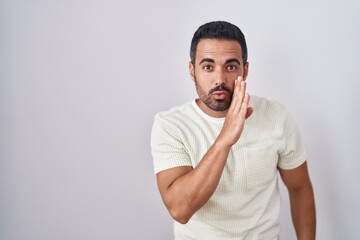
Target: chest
pixel 252 161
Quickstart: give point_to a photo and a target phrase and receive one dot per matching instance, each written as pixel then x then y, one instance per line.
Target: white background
pixel 80 82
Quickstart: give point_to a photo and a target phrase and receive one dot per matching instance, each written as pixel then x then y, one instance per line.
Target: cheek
pixel 231 77
pixel 240 72
pixel 203 85
pixel 203 78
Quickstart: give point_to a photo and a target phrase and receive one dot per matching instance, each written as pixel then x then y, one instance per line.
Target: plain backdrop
pixel 80 83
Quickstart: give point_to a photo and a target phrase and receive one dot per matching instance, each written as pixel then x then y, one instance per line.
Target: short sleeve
pixel 293 153
pixel 167 148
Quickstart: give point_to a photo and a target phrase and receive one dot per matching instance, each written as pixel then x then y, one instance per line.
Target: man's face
pixel 218 63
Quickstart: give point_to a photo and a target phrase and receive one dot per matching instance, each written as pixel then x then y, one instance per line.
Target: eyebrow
pixel 226 62
pixel 232 60
pixel 206 60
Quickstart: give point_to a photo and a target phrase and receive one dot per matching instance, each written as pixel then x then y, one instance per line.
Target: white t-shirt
pixel 246 203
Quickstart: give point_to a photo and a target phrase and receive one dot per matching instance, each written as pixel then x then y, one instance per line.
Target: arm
pixel 185 190
pixel 302 201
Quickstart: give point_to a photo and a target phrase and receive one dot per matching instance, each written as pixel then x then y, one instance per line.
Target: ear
pixel 192 70
pixel 246 70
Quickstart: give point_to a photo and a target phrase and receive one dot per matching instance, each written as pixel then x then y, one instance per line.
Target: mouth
pixel 220 95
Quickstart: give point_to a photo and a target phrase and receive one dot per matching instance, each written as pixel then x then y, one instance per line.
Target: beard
pixel 208 99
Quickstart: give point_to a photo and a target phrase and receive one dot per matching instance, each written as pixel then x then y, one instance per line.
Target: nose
pixel 220 77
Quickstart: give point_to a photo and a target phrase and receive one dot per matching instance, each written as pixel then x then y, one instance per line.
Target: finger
pixel 244 106
pixel 241 94
pixel 238 93
pixel 249 111
pixel 235 94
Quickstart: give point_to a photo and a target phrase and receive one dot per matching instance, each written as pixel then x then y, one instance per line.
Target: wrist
pixel 222 145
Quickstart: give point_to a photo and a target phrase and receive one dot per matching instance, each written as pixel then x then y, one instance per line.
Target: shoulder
pixel 268 108
pixel 175 113
pixel 266 104
pixel 273 114
pixel 174 119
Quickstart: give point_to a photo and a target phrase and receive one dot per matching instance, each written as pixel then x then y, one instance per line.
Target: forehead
pixel 218 48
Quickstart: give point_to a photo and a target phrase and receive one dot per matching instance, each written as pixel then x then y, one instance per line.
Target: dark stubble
pixel 218 105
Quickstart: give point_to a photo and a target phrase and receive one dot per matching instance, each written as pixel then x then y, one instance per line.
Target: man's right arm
pixel 185 190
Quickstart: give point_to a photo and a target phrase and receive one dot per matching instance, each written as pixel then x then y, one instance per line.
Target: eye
pixel 231 68
pixel 207 67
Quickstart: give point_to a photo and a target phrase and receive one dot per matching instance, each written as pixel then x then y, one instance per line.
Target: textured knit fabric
pixel 246 203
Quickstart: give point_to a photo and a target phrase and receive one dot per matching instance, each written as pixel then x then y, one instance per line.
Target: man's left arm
pixel 302 201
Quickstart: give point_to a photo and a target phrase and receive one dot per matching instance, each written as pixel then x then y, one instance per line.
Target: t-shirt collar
pixel 205 116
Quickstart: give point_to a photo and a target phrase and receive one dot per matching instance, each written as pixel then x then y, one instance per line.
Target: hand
pixel 236 115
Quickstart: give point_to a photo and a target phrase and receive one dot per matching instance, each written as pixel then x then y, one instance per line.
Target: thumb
pixel 249 111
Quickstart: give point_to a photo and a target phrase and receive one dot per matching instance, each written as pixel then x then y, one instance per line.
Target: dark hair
pixel 218 30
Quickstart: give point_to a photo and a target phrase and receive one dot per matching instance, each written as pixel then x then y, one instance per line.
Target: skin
pixel 185 190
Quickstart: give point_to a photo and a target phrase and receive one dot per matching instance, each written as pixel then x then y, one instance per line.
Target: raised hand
pixel 238 112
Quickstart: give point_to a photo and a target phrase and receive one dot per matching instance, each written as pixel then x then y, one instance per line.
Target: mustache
pixel 220 88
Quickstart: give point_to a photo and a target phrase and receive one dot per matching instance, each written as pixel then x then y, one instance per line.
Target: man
pixel 216 158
